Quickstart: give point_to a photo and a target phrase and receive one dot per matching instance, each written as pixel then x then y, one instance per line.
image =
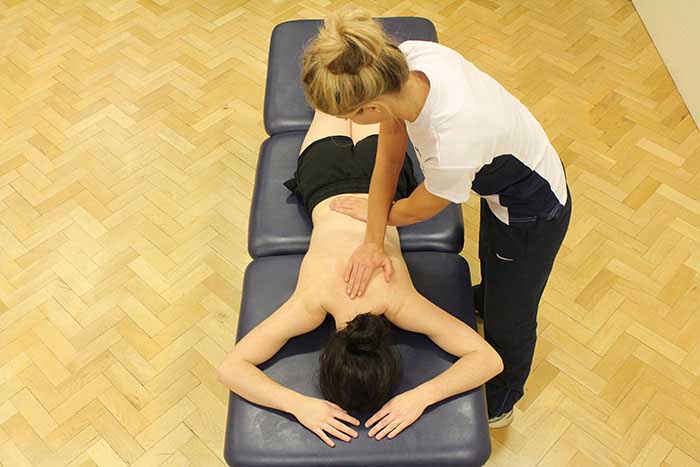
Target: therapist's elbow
pixel 417 212
pixel 415 219
pixel 424 215
pixel 405 220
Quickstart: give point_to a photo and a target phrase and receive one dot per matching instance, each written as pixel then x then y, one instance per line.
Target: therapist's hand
pixel 365 259
pixel 352 206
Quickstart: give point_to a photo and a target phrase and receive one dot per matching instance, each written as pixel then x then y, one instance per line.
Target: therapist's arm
pixel 391 150
pixel 370 255
pixel 420 206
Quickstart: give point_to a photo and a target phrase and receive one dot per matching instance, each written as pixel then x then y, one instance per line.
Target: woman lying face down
pixel 358 366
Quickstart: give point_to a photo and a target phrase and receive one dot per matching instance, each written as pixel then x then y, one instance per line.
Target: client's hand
pixel 397 414
pixel 351 206
pixel 365 259
pixel 321 416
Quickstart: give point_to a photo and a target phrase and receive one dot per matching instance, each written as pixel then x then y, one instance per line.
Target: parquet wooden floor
pixel 129 133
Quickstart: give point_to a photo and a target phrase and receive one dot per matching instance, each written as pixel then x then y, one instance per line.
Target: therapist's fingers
pixel 341 208
pixel 343 203
pixel 348 272
pixel 337 203
pixel 340 200
pixel 388 269
pixel 353 279
pixel 345 200
pixel 356 283
pixel 347 211
pixel 360 289
pixel 366 276
pixel 352 210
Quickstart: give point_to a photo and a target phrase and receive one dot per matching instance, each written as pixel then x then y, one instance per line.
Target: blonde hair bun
pixel 352 61
pixel 356 40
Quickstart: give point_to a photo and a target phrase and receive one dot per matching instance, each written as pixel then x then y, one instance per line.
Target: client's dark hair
pixel 358 365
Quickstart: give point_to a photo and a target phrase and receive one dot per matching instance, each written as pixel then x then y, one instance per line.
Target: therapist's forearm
pixel 391 150
pixel 381 193
pixel 402 213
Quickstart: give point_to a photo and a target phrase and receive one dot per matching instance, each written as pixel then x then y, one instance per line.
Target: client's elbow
pixel 226 369
pixel 495 362
pixel 221 373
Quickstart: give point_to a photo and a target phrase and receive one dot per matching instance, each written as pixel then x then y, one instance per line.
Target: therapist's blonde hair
pixel 351 62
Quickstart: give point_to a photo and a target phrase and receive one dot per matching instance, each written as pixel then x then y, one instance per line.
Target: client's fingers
pixel 388 429
pixel 335 432
pixel 397 430
pixel 337 424
pixel 381 425
pixel 347 417
pixel 337 406
pixel 324 437
pixel 383 412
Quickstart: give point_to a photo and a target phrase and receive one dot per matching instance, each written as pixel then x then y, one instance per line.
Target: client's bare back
pixel 333 240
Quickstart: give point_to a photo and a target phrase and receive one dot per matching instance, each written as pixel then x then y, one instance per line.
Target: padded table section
pixel 285 106
pixel 451 433
pixel 279 224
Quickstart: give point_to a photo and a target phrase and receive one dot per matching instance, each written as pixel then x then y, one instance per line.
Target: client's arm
pixel 477 364
pixel 240 373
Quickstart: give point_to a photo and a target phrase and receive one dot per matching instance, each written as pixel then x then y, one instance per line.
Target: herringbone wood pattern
pixel 128 140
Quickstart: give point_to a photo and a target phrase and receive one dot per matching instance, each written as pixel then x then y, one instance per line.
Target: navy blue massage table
pixel 451 433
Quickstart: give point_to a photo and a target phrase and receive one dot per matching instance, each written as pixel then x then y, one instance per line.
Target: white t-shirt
pixel 473 135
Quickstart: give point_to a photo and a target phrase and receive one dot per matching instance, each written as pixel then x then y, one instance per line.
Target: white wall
pixel 674 26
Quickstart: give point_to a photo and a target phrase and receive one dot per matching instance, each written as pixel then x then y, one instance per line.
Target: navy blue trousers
pixel 516 261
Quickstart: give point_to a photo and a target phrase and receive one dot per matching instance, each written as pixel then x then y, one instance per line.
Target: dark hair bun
pixel 366 332
pixel 358 366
